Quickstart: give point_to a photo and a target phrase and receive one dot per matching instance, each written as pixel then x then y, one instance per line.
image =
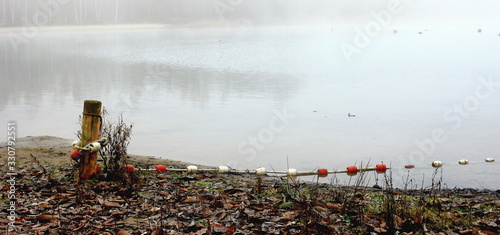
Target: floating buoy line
pixel 292 172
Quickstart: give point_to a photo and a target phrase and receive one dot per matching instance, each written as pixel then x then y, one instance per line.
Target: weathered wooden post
pixel 91 128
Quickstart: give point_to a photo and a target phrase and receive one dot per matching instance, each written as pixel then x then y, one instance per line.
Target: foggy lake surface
pixel 273 96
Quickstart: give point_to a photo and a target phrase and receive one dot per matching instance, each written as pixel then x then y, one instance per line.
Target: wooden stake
pixel 91 128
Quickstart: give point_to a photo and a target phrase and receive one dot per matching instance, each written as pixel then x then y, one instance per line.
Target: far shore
pixel 85 27
pixel 109 27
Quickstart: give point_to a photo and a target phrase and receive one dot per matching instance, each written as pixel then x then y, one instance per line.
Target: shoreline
pixel 51 150
pixel 56 151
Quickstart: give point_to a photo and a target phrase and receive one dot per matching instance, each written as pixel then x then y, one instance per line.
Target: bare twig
pixel 35 159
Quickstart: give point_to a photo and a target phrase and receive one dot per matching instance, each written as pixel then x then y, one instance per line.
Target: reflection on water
pixel 215 96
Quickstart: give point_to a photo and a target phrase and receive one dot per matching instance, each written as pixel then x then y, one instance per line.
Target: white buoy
pixel 223 169
pixel 76 144
pixel 260 171
pixel 94 147
pixel 463 162
pixel 437 164
pixel 291 172
pixel 490 159
pixel 192 169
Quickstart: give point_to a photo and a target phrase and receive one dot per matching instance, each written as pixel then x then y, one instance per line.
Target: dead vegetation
pixel 114 154
pixel 50 201
pixel 179 203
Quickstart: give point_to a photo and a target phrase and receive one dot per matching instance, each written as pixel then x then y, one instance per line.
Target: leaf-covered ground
pixel 49 201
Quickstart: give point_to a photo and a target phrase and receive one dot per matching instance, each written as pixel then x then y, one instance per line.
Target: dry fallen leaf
pixel 191 200
pixel 201 231
pixel 289 215
pixel 40 229
pixel 119 213
pixel 163 176
pixel 118 200
pixel 122 232
pixel 485 232
pixel 319 208
pixel 46 218
pixel 109 222
pixel 383 225
pixel 111 204
pixel 336 207
pixel 249 212
pixel 44 205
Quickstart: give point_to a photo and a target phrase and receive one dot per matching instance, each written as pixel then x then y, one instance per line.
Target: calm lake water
pixel 272 96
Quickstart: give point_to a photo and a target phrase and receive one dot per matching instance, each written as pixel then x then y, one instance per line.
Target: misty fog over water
pixel 254 83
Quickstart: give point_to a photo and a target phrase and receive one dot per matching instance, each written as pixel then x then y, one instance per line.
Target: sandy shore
pixel 55 151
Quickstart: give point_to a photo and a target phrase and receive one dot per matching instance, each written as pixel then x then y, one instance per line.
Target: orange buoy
pixel 128 168
pixel 381 168
pixel 77 155
pixel 409 166
pixel 352 173
pixel 161 168
pixel 322 172
pixel 352 169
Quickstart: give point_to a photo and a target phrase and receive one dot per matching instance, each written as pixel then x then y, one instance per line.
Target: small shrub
pixel 115 153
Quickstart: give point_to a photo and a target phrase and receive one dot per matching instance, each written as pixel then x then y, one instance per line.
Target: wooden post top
pixel 92 107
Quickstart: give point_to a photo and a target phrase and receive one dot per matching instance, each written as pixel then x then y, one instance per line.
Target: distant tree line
pixel 96 12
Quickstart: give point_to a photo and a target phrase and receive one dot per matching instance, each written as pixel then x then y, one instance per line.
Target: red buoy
pixel 352 169
pixel 76 155
pixel 352 173
pixel 128 168
pixel 161 168
pixel 381 168
pixel 409 166
pixel 322 172
pixel 98 169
